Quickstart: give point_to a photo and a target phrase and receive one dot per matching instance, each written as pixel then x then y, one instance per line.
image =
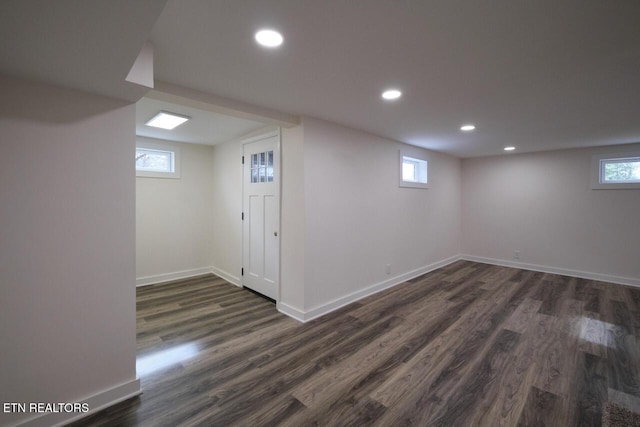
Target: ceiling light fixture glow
pixel 467 128
pixel 269 38
pixel 166 120
pixel 509 148
pixel 391 94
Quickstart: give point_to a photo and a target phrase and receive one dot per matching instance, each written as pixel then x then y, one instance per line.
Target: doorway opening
pixel 190 228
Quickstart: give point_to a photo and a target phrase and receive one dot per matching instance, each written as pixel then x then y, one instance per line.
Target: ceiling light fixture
pixel 391 94
pixel 467 128
pixel 166 120
pixel 269 38
pixel 509 148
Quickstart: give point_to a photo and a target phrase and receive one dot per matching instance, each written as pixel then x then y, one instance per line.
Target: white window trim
pixel 163 147
pixel 596 170
pixel 416 154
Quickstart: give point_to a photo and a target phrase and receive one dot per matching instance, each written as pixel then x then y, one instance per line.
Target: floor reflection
pixel 597 331
pixel 162 359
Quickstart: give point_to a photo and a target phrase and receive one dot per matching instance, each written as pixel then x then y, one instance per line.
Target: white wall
pixel 227 209
pixel 358 220
pixel 542 205
pixel 293 219
pixel 343 216
pixel 67 259
pixel 174 218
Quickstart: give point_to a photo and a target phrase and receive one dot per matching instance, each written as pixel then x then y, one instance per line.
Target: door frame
pixel 278 175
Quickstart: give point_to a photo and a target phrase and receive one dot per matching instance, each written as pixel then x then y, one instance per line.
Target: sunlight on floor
pixel 165 358
pixel 596 331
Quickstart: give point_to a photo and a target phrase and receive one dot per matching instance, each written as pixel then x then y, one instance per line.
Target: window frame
pixel 597 167
pixel 160 146
pixel 413 155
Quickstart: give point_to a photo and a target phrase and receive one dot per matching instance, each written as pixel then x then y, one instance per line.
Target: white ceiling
pixel 204 127
pixel 543 74
pixel 540 74
pixel 86 45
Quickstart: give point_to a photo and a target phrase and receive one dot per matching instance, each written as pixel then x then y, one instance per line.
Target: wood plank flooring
pixel 468 344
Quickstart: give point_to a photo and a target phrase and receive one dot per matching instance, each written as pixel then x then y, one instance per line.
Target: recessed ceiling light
pixel 269 38
pixel 391 94
pixel 166 120
pixel 509 148
pixel 467 128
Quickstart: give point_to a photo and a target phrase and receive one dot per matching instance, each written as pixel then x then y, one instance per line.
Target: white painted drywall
pixel 141 71
pixel 292 214
pixel 358 219
pixel 542 205
pixel 227 210
pixel 67 257
pixel 174 217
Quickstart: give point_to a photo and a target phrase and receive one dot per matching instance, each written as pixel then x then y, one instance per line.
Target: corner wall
pixel 174 218
pixel 227 208
pixel 542 205
pixel 359 221
pixel 293 222
pixel 67 257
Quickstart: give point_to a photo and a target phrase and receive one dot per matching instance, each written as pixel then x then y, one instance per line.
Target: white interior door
pixel 261 214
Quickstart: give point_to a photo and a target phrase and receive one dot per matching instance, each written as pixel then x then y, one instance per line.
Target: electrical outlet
pixel 388 268
pixel 516 254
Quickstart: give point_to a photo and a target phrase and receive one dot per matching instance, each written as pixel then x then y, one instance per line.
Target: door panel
pixel 261 248
pixel 254 263
pixel 271 242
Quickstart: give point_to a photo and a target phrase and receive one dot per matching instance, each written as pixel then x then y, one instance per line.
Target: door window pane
pixel 262 167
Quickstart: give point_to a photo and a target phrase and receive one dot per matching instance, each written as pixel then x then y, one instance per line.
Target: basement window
pixel 157 160
pixel 616 171
pixel 414 168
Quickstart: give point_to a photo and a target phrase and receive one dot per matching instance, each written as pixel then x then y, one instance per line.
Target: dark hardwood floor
pixel 468 344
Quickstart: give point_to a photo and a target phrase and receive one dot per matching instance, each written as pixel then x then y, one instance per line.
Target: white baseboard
pixel 321 310
pixel 556 270
pixel 291 311
pixel 234 280
pixel 96 403
pixel 168 277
